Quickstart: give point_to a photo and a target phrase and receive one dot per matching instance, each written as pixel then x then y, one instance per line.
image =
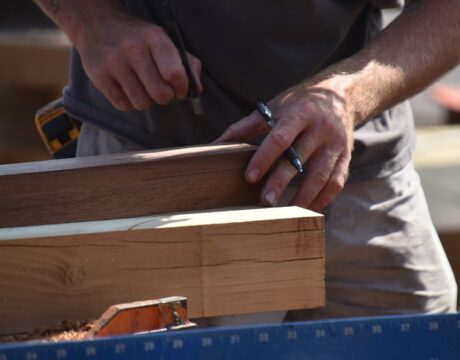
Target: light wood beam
pixel 225 262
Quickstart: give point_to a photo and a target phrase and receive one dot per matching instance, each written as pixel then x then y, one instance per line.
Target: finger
pixel 170 66
pixel 448 96
pixel 196 67
pixel 114 93
pixel 319 169
pixel 333 187
pixel 245 129
pixel 284 171
pixel 130 84
pixel 157 88
pixel 275 143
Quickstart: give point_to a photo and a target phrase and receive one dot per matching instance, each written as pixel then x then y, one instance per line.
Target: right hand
pixel 134 63
pixel 317 118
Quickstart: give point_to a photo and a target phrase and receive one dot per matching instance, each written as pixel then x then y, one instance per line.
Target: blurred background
pixel 34 62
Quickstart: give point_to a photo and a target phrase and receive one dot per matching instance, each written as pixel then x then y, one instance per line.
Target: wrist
pixel 85 25
pixel 342 88
pixel 365 88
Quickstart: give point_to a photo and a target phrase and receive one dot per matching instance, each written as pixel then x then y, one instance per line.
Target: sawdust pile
pixel 66 330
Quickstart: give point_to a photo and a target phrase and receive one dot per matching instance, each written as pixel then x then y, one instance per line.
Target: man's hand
pixel 315 121
pixel 318 119
pixel 132 62
pixel 135 63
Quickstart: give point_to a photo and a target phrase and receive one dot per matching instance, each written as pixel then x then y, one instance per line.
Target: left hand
pixel 315 121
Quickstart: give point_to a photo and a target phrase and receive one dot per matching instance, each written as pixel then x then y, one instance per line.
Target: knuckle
pixel 163 96
pixel 135 54
pixel 321 202
pixel 280 139
pixel 299 116
pixel 321 178
pixel 112 61
pixel 132 47
pixel 121 105
pixel 337 184
pixel 118 101
pixel 262 128
pixel 99 78
pixel 196 64
pixel 303 201
pixel 309 143
pixel 308 106
pixel 161 43
pixel 327 126
pixel 174 74
pixel 341 140
pixel 232 130
pixel 264 159
pixel 330 159
pixel 141 104
pixel 301 109
pixel 140 101
pixel 153 32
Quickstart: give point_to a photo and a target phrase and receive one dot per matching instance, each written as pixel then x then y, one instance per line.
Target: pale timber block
pixel 229 261
pixel 263 286
pixel 125 185
pixel 276 261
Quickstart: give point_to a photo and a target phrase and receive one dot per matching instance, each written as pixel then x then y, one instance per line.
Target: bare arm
pixel 318 115
pixel 132 62
pixel 72 16
pixel 418 47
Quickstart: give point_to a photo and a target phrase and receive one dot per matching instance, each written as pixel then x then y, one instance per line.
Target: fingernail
pixel 270 197
pixel 253 175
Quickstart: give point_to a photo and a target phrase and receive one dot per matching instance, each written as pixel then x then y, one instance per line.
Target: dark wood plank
pixel 125 185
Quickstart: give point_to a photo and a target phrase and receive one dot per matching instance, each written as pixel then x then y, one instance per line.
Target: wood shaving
pixel 66 330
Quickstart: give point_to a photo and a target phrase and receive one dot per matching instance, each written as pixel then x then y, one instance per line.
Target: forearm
pixel 417 48
pixel 77 17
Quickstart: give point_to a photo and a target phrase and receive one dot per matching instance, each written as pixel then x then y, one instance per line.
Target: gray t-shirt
pixel 254 50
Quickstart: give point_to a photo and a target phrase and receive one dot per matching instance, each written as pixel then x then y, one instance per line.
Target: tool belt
pixel 57 129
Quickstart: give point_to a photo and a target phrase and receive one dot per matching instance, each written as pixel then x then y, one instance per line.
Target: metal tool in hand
pixel 290 153
pixel 174 33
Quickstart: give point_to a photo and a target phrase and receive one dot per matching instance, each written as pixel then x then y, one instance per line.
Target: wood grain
pixel 225 262
pixel 125 185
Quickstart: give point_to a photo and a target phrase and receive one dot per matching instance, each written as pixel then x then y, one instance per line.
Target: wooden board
pixel 125 185
pixel 225 262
